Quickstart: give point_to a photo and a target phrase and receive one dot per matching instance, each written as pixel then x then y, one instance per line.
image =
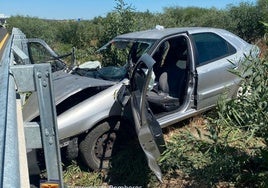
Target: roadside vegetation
pixel 86 36
pixel 226 147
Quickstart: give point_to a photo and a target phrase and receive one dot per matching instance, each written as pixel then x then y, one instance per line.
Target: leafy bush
pixel 250 110
pixel 248 113
pixel 245 21
pixel 204 159
pixel 34 27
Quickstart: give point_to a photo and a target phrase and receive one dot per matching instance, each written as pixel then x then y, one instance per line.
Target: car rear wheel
pixel 100 144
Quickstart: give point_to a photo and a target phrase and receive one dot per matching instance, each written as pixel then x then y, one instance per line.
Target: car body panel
pixel 90 112
pixel 221 81
pixel 215 77
pixel 63 90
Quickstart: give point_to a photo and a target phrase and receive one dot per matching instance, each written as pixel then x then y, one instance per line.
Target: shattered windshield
pixel 118 52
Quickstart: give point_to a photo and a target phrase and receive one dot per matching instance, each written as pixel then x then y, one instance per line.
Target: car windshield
pixel 117 58
pixel 119 52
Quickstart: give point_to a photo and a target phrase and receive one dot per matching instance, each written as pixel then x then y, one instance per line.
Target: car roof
pixel 160 33
pixel 157 34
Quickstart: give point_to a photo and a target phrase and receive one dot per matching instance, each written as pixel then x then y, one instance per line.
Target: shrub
pixel 250 109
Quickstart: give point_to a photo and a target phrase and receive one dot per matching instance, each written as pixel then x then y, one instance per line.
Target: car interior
pixel 170 72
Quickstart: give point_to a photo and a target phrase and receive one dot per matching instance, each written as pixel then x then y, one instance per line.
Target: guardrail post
pixel 49 132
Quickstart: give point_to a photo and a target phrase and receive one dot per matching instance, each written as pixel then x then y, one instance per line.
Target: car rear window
pixel 210 47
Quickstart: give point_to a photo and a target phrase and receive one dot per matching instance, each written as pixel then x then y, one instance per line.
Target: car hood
pixel 65 85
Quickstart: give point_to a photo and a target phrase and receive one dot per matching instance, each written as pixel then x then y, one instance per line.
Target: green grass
pixel 226 162
pixel 192 159
pixel 75 175
pixel 129 168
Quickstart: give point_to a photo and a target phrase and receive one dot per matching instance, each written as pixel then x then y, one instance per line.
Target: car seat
pixel 167 95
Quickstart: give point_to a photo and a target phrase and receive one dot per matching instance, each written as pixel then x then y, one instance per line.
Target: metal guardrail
pixel 24 78
pixel 8 133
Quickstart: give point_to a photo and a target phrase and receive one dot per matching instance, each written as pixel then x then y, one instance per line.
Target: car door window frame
pixel 189 100
pixel 206 48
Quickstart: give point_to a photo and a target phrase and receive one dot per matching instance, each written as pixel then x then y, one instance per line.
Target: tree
pixel 121 20
pixel 246 21
pixel 33 27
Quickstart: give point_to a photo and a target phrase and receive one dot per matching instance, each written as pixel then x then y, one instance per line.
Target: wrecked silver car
pixel 167 75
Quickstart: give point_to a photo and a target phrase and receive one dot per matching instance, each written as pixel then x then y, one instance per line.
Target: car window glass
pixel 117 51
pixel 137 50
pixel 39 53
pixel 210 47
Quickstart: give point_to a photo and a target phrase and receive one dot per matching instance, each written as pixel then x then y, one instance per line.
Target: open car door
pixel 148 129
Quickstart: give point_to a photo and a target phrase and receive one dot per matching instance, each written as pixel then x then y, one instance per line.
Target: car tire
pixel 71 151
pixel 98 146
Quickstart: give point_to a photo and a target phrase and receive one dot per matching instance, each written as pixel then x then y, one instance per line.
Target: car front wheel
pixel 98 146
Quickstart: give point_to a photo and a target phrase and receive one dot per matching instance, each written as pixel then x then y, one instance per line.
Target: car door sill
pixel 176 117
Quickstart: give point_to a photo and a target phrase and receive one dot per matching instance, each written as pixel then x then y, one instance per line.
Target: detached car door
pixel 148 129
pixel 40 52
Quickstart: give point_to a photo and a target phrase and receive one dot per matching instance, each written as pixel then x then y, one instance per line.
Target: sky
pixel 88 9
